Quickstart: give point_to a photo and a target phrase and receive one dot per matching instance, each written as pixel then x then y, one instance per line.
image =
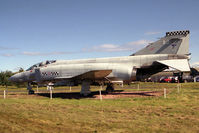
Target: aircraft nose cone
pixel 16 78
pixel 11 79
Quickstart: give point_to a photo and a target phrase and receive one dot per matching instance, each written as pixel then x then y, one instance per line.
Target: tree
pixel 4 78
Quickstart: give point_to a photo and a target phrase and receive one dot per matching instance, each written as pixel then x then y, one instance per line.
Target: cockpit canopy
pixel 41 64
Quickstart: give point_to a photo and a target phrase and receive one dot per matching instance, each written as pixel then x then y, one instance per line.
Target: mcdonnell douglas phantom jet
pixel 169 51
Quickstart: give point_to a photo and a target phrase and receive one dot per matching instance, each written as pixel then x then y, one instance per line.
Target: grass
pixel 179 112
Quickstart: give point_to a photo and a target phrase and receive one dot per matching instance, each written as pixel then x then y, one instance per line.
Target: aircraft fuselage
pixel 122 68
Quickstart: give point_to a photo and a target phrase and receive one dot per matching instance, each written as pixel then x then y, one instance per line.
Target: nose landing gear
pixel 30 90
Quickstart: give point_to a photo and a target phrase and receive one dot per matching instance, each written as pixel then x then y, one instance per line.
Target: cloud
pixel 103 47
pixel 139 42
pixel 195 64
pixel 6 55
pixel 3 48
pixel 130 46
pixel 6 48
pixel 152 33
pixel 44 54
pixel 109 46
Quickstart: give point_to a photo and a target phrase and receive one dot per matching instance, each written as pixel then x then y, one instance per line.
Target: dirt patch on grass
pixel 22 96
pixel 114 95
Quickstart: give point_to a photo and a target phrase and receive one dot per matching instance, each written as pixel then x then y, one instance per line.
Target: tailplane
pixel 175 42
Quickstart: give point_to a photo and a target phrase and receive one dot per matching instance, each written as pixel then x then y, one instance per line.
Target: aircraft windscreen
pixel 41 64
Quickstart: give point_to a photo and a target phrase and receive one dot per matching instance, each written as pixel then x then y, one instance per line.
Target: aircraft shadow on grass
pixel 77 95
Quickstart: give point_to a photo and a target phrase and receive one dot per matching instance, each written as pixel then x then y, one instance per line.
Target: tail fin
pixel 175 42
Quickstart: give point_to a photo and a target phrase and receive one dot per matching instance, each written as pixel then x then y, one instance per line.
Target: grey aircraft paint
pixel 170 51
pixel 176 42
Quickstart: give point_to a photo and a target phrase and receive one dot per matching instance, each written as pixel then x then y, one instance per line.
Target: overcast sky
pixel 32 31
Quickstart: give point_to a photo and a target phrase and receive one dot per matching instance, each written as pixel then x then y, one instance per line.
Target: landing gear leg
pixel 110 87
pixel 30 90
pixel 85 91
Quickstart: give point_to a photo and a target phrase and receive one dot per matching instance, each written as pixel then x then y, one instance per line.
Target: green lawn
pixel 179 112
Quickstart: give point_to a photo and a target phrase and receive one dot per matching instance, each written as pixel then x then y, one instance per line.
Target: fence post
pixel 100 92
pixel 4 94
pixel 165 93
pixel 178 86
pixel 37 89
pixel 51 92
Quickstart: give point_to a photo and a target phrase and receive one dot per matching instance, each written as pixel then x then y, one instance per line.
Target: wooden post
pixel 70 88
pixel 100 92
pixel 138 87
pixel 6 91
pixel 165 93
pixel 51 93
pixel 194 79
pixel 4 94
pixel 37 89
pixel 178 88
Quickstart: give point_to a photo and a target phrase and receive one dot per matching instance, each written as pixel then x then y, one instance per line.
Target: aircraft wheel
pixel 110 88
pixel 30 92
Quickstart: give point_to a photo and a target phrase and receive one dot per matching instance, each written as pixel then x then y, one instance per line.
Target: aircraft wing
pixel 94 74
pixel 179 64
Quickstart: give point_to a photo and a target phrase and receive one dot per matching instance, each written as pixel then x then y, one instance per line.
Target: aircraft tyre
pixel 110 88
pixel 30 92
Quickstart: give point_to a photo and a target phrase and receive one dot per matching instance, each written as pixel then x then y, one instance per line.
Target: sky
pixel 33 31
